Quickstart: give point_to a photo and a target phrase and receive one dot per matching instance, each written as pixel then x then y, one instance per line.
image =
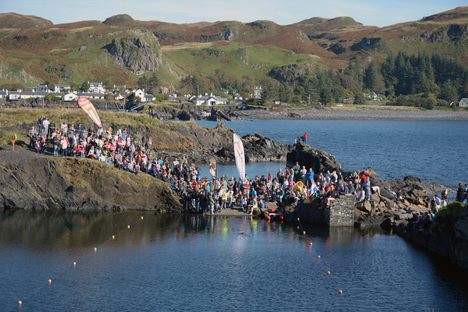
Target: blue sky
pixel 371 12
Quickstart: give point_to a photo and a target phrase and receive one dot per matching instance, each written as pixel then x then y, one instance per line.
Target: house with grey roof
pixel 463 103
pixel 209 100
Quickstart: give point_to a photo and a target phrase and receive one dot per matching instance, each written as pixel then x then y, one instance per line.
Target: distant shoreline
pixel 356 114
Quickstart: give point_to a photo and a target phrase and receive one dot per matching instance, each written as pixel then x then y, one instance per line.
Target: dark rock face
pixel 260 148
pixel 366 44
pixel 289 73
pixel 31 181
pixel 136 54
pixel 314 158
pixel 447 236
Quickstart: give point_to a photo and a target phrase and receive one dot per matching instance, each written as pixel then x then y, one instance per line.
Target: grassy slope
pixel 235 60
pixel 165 135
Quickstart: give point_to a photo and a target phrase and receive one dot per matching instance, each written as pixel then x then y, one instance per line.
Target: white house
pixel 92 95
pixel 3 94
pixel 372 96
pixel 209 100
pixel 144 97
pixel 59 88
pixel 96 87
pixel 119 97
pixel 32 94
pixel 463 103
pixel 257 92
pixel 149 97
pixel 140 93
pixel 14 96
pixel 70 97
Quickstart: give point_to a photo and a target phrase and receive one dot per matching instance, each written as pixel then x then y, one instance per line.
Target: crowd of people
pixel 117 147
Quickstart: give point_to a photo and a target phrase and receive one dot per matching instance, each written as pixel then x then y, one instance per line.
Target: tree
pixel 84 87
pixel 285 93
pixel 373 79
pixel 149 83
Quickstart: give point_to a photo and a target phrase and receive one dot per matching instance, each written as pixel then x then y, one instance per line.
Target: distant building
pixel 173 98
pixel 14 96
pixel 238 99
pixel 92 95
pixel 32 94
pixel 96 87
pixel 209 100
pixel 59 88
pixel 463 103
pixel 42 88
pixel 3 94
pixel 144 97
pixel 257 92
pixel 70 97
pixel 372 96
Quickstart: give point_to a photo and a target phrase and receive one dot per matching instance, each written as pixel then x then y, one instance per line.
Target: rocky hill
pixel 32 181
pixel 18 21
pixel 119 49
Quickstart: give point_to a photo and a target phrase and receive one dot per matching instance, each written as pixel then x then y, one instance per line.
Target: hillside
pixel 118 50
pixel 17 21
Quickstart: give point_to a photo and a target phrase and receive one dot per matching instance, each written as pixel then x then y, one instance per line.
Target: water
pixel 432 150
pixel 165 263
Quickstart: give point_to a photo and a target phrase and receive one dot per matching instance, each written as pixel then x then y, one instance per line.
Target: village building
pixel 42 88
pixel 70 97
pixel 143 96
pixel 14 96
pixel 3 94
pixel 33 93
pixel 209 100
pixel 463 103
pixel 96 87
pixel 92 95
pixel 61 88
pixel 257 92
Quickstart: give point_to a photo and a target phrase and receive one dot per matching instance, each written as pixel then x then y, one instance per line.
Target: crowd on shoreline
pixel 117 147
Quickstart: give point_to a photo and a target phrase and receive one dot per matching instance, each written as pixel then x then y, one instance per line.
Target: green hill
pixel 120 49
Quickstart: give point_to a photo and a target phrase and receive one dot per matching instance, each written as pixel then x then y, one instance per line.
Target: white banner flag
pixel 239 154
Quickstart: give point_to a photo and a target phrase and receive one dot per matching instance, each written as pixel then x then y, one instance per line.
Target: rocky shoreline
pixel 37 182
pixel 186 112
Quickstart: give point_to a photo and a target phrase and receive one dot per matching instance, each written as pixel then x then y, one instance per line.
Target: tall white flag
pixel 239 154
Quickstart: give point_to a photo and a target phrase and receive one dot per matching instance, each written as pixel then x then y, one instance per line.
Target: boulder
pixel 36 182
pixel 314 158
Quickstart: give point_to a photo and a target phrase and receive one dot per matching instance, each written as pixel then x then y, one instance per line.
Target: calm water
pixel 212 264
pixel 432 150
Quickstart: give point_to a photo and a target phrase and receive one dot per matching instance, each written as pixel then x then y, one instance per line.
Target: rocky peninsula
pixel 39 182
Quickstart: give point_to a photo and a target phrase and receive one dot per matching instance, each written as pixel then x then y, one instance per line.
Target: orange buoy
pixel 49 281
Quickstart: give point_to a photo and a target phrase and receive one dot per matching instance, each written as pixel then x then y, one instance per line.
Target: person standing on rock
pixel 13 140
pixel 366 185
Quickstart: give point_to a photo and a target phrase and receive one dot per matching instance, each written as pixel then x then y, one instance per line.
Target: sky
pixel 370 12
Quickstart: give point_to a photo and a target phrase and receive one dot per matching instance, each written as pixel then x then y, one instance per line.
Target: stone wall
pixel 342 211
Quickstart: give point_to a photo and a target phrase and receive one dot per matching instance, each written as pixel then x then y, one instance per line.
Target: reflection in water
pixel 175 262
pixel 65 230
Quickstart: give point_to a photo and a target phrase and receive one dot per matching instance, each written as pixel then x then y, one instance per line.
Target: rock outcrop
pixel 138 54
pixel 217 144
pixel 314 158
pixel 447 236
pixel 36 182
